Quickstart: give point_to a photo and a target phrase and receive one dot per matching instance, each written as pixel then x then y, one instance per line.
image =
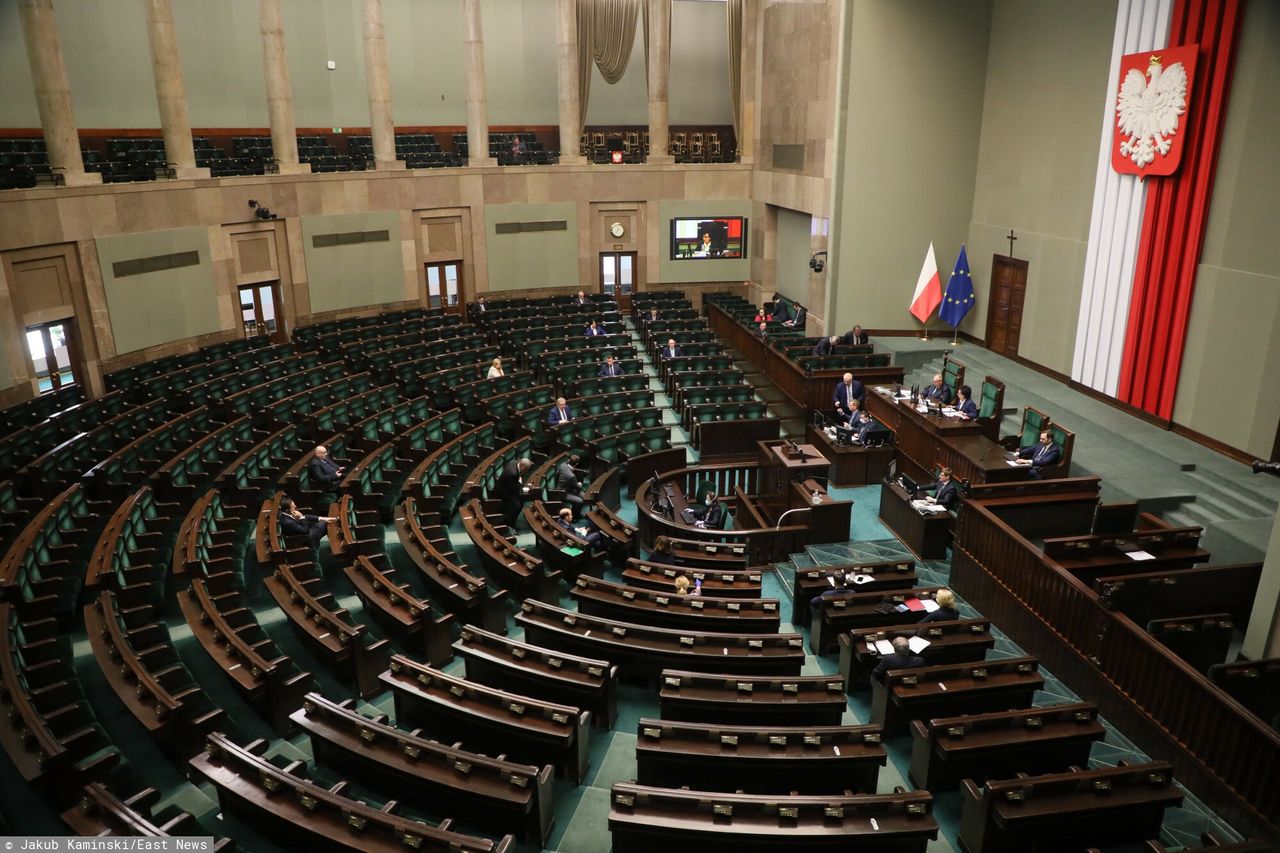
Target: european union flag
pixel 958 298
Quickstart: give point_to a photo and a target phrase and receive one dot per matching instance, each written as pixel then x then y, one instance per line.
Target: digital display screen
pixel 712 238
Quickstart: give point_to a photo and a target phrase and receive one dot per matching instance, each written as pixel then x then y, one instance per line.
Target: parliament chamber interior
pixel 515 425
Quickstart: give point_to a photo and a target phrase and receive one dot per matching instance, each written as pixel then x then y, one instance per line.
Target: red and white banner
pixel 1152 101
pixel 928 295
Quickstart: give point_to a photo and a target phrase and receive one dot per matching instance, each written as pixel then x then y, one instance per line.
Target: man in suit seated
pixel 325 473
pixel 797 322
pixel 946 492
pixel 825 346
pixel 1040 456
pixel 560 413
pixel 848 389
pixel 964 402
pixel 477 307
pixel 864 426
pixel 653 316
pixel 594 329
pixel 294 523
pixel 855 337
pixel 902 658
pixel 946 612
pixel 671 350
pixel 567 481
pixel 939 390
pixel 581 298
pixel 512 490
pixel 610 368
pixel 762 332
pixel 595 539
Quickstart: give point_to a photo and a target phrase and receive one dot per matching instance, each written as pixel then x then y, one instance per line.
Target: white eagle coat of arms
pixel 1150 106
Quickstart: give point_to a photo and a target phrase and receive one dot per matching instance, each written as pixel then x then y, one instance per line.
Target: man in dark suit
pixel 294 523
pixel 1042 455
pixel 825 346
pixel 325 473
pixel 797 322
pixel 477 307
pixel 671 350
pixel 610 368
pixel 902 658
pixel 653 316
pixel 567 481
pixel 856 337
pixel 848 389
pixel 560 413
pixel 512 490
pixel 779 309
pixel 581 298
pixel 595 539
pixel 939 390
pixel 864 426
pixel 763 331
pixel 946 492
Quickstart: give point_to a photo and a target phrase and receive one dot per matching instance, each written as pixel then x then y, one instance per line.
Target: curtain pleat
pixel 606 34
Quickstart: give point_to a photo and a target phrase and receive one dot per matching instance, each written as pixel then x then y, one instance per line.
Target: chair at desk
pixel 1033 422
pixel 991 407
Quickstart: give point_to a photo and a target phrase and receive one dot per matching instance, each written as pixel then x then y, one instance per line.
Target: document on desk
pixel 884 647
pixel 1139 555
pixel 1016 463
pixel 925 506
pixel 917 644
pixel 929 605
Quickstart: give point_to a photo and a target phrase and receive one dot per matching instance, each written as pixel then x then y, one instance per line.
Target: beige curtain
pixel 733 9
pixel 606 33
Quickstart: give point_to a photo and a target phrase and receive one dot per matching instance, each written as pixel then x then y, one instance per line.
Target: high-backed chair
pixel 991 407
pixel 1033 422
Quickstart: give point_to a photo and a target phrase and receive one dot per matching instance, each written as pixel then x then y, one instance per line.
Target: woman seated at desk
pixel 710 515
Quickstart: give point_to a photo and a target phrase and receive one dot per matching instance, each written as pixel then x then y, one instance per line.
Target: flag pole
pixel 955 336
pixel 924 330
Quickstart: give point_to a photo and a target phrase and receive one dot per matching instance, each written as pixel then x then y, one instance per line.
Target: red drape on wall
pixel 1177 209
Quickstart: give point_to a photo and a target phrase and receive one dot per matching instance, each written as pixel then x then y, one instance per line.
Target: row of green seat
pixel 437 372
pixel 693 395
pixel 39 569
pixel 26 443
pixel 850 361
pixel 121 472
pixel 33 411
pixel 695 363
pixel 623 446
pixel 256 469
pixel 596 386
pixel 568 377
pixel 384 360
pixel 548 364
pixel 138 374
pixel 618 401
pixel 386 424
pixel 257 398
pixel 342 414
pixel 132 553
pixel 353 351
pixel 308 399
pixel 191 468
pixel 750 410
pixel 531 350
pixel 309 337
pixel 437 482
pixel 582 430
pixel 170 385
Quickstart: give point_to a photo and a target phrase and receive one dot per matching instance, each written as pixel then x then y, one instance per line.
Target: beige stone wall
pixel 66 223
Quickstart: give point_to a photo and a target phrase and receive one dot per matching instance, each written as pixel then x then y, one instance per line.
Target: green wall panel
pixel 159 307
pixel 532 259
pixel 793 255
pixel 356 275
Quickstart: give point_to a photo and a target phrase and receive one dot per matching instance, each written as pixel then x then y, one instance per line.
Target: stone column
pixel 171 94
pixel 382 126
pixel 567 42
pixel 284 130
pixel 53 93
pixel 750 64
pixel 477 94
pixel 1262 638
pixel 659 78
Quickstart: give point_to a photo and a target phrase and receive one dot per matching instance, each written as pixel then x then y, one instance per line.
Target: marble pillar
pixel 659 80
pixel 567 43
pixel 382 127
pixel 1262 637
pixel 477 94
pixel 171 94
pixel 284 130
pixel 748 104
pixel 53 92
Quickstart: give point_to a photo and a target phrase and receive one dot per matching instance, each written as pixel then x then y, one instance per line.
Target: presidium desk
pixel 779 504
pixel 926 441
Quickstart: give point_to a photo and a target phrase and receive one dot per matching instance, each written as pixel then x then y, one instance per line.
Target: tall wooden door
pixel 1004 312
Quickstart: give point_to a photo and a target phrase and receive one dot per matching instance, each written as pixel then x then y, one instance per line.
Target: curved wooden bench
pixel 724 583
pixel 816 700
pixel 528 729
pixel 284 805
pixel 101 813
pixel 598 597
pixel 413 619
pixel 525 574
pixel 953 641
pixel 511 797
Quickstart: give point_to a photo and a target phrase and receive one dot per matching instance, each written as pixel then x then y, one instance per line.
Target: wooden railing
pixel 1227 755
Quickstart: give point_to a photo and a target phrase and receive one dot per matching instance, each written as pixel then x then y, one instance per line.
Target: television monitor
pixel 708 238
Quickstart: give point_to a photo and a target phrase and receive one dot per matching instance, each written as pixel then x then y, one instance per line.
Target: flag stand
pixel 955 336
pixel 924 331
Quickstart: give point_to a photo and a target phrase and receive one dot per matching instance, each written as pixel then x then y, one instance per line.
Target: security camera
pixel 818 261
pixel 259 211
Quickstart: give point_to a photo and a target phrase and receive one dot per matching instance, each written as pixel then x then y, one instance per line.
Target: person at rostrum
pixel 495 369
pixel 610 368
pixel 825 346
pixel 1042 455
pixel 567 481
pixel 902 658
pixel 946 493
pixel 848 389
pixel 595 539
pixel 946 612
pixel 939 390
pixel 671 350
pixel 325 473
pixel 294 523
pixel 512 490
pixel 964 403
pixel 856 337
pixel 560 413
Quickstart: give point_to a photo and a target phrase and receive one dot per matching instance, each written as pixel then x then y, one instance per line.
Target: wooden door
pixel 444 286
pixel 1004 312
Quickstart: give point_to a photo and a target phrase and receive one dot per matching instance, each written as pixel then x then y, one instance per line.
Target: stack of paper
pixel 884 647
pixel 917 644
pixel 929 605
pixel 1140 555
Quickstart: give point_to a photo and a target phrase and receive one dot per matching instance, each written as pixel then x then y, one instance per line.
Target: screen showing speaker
pixel 721 237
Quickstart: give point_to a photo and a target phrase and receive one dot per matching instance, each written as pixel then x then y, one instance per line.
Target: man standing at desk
pixel 939 390
pixel 511 489
pixel 1040 456
pixel 946 494
pixel 848 389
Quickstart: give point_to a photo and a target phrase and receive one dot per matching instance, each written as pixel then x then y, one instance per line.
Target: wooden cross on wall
pixel 1011 238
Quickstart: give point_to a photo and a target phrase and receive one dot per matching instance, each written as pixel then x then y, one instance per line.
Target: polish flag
pixel 928 295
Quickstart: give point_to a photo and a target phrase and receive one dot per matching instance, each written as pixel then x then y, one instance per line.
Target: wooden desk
pixel 925 441
pixel 851 465
pixel 927 537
